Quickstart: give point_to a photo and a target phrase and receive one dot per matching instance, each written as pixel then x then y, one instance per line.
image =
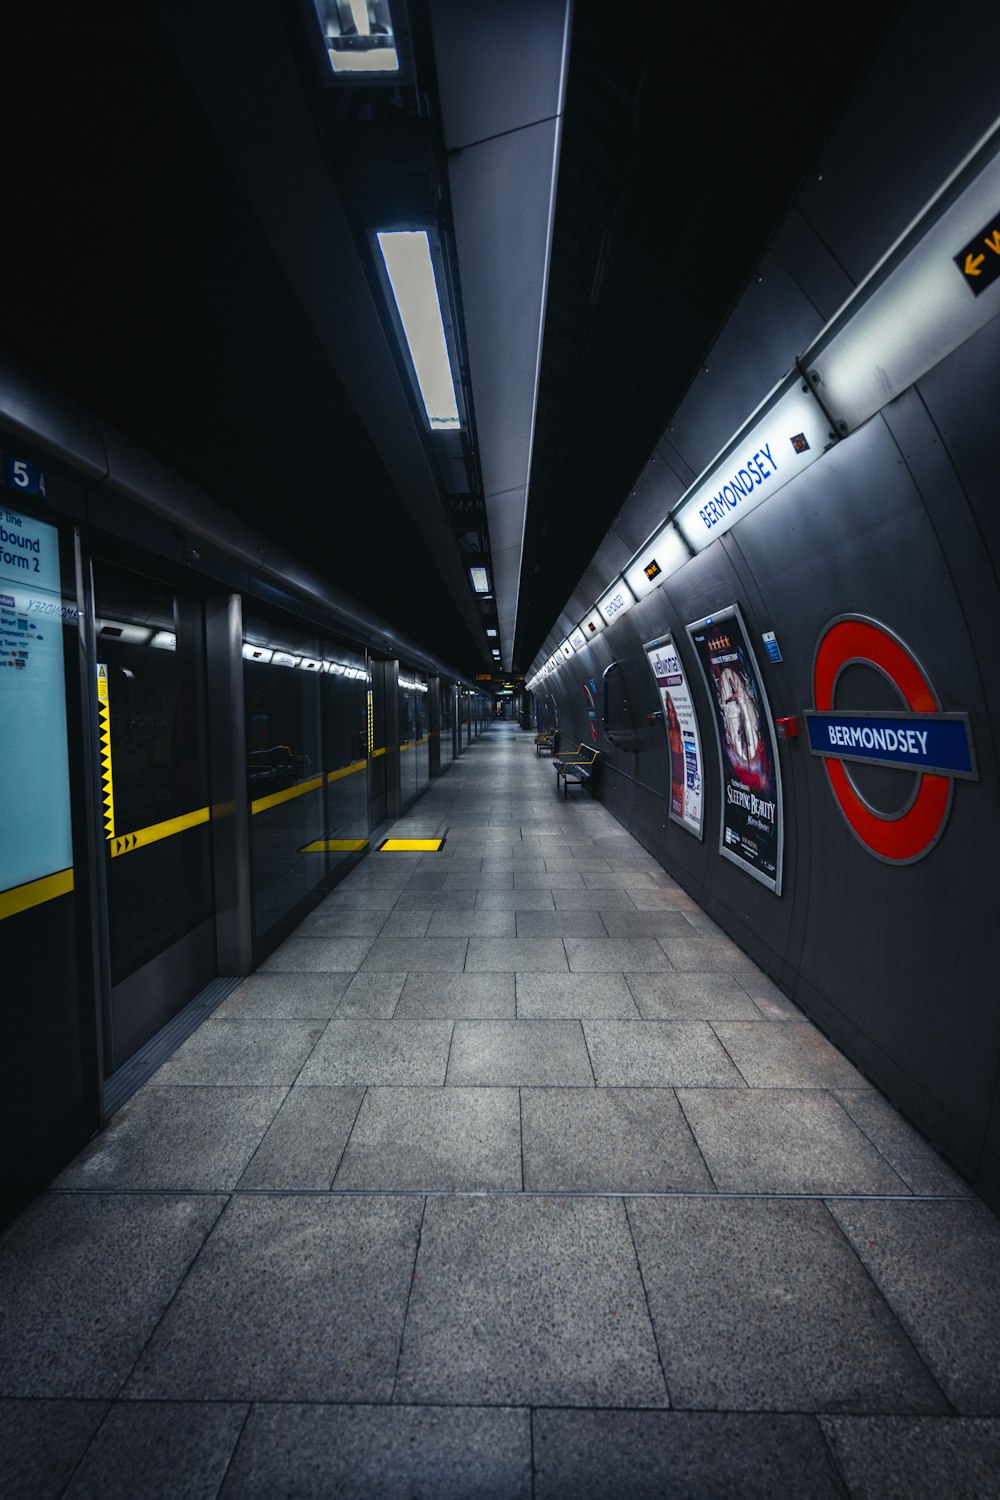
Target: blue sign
pixel 937 743
pixel 19 475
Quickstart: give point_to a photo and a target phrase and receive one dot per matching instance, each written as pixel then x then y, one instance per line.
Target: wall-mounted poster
pixel 751 833
pixel 681 726
pixel 37 838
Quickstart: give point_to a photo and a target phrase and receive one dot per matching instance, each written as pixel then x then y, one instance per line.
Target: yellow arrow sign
pixel 973 265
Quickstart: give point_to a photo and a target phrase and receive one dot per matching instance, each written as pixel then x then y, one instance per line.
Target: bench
pixel 581 768
pixel 582 773
pixel 547 744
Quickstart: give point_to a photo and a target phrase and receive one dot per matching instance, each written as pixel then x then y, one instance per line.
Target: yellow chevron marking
pixel 104 731
pixel 124 843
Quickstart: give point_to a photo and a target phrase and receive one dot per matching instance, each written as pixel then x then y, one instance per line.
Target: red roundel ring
pixel 909 835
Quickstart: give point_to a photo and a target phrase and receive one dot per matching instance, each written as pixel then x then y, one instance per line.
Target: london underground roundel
pixel 919 738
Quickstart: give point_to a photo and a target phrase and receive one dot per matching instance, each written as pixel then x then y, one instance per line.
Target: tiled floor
pixel 508 1175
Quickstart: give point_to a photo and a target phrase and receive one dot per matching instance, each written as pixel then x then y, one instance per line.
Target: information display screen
pixel 751 833
pixel 681 726
pixel 37 839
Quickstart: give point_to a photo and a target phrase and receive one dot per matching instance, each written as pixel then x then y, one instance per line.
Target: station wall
pixel 898 523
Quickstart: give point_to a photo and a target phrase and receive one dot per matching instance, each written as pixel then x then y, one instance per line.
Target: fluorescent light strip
pixel 407 256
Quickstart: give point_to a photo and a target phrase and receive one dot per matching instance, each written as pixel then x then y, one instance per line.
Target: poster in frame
pixel 680 723
pixel 751 831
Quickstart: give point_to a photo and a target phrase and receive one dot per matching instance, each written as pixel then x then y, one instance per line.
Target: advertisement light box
pixel 593 624
pixel 616 601
pixel 578 640
pixel 662 555
pixel 784 436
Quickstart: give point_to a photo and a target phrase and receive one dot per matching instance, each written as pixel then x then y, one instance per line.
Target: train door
pixel 155 800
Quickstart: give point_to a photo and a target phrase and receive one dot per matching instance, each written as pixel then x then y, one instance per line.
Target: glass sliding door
pixel 155 801
pixel 281 676
pixel 346 684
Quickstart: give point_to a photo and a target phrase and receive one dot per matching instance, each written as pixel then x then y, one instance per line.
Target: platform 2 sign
pixel 681 725
pixel 36 836
pixel 752 830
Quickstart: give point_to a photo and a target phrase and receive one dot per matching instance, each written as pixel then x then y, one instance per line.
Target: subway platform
pixel 507 1175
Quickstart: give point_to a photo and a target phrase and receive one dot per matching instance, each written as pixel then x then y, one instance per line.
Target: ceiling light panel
pixel 358 35
pixel 415 288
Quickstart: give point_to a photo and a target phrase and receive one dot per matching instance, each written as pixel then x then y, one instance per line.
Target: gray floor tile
pixel 769 1000
pixel 938 1266
pixel 565 861
pixel 700 924
pixel 654 924
pixel 784 1141
pixel 761 1304
pixel 536 955
pixel 548 880
pixel 786 1055
pixel 662 899
pixel 705 956
pixel 177 1138
pixel 517 864
pixel 355 923
pixel 696 1455
pixel 452 924
pixel 560 924
pixel 291 1299
pixel 84 1280
pixel 428 880
pixel 401 1051
pixel 563 996
pixel 261 1053
pixel 313 955
pixel 914 1158
pixel 305 1141
pixel 610 955
pixel 533 1300
pixel 514 901
pixel 285 997
pixel 486 880
pixel 435 1140
pixel 917 1458
pixel 159 1450
pixel 381 898
pixel 658 1054
pixel 691 997
pixel 593 900
pixel 608 1141
pixel 371 994
pixel 429 955
pixel 41 1443
pixel 511 1053
pixel 468 996
pixel 617 880
pixel 432 901
pixel 407 923
pixel 394 1453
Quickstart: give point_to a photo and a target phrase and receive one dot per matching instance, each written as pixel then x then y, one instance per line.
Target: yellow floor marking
pixel 335 846
pixel 408 846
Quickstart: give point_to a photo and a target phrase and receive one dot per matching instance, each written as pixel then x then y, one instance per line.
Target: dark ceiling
pixel 139 278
